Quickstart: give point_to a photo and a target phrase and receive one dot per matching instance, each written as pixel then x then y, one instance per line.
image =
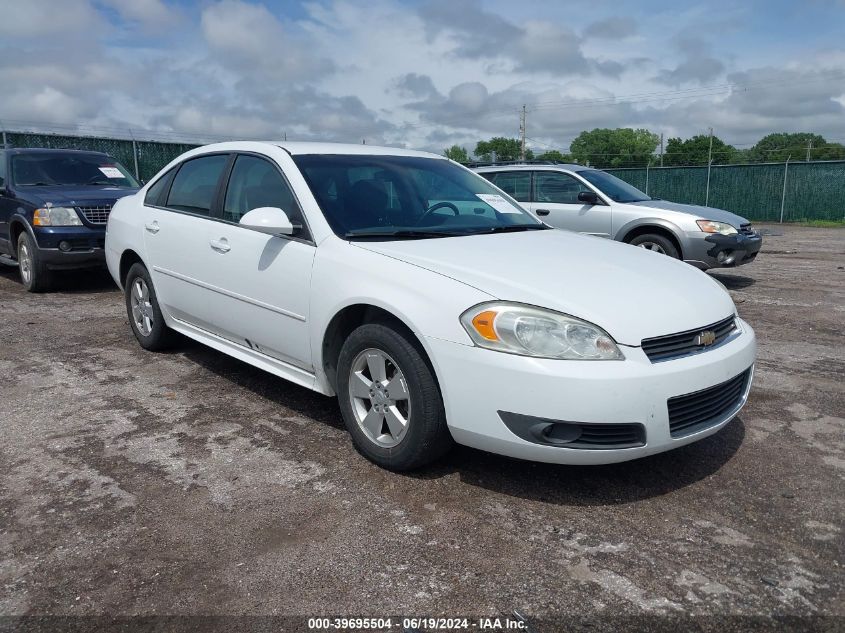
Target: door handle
pixel 221 245
pixel 153 228
pixel 542 212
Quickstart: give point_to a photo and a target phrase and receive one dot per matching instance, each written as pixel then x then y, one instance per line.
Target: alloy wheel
pixel 142 308
pixel 25 263
pixel 378 393
pixel 652 246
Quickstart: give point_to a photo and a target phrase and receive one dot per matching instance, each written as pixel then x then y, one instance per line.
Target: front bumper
pixel 67 247
pixel 708 250
pixel 479 384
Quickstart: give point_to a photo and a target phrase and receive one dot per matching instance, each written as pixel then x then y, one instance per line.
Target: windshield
pixel 42 169
pixel 407 197
pixel 611 186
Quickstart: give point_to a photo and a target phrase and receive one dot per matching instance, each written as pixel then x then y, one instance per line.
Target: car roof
pixel 297 148
pixel 533 166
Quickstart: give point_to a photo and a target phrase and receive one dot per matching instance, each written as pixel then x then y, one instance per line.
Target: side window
pixel 256 182
pixel 2 168
pixel 557 188
pixel 515 183
pixel 195 183
pixel 155 194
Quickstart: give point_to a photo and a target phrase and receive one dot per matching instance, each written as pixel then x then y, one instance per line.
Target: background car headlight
pixel 520 329
pixel 710 226
pixel 56 216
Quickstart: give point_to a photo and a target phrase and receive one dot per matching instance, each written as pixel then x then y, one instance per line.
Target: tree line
pixel 626 147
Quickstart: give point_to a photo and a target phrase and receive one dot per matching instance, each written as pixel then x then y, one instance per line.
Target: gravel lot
pixel 190 483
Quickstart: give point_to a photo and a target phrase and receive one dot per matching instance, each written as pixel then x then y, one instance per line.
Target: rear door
pixel 517 184
pixel 555 200
pixel 177 232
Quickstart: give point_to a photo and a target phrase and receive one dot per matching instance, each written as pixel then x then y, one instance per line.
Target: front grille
pixel 683 343
pixel 606 436
pixel 697 411
pixel 96 215
pixel 746 229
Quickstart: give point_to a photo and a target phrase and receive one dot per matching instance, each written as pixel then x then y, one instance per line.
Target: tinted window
pixel 255 183
pixel 195 184
pixel 388 194
pixel 2 168
pixel 516 184
pixel 155 194
pixel 557 188
pixel 54 168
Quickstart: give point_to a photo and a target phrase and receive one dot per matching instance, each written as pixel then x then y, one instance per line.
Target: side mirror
pixel 270 220
pixel 588 197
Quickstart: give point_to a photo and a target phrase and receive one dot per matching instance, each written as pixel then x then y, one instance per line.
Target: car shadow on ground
pixel 549 483
pixel 93 281
pixel 610 484
pixel 734 282
pixel 302 401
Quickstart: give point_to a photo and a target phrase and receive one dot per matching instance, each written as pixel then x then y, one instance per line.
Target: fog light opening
pixel 64 246
pixel 725 257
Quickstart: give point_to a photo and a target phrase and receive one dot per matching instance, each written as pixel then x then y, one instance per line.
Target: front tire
pixel 656 243
pixel 390 400
pixel 144 313
pixel 35 276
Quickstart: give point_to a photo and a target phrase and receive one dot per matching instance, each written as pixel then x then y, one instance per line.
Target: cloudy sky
pixel 422 73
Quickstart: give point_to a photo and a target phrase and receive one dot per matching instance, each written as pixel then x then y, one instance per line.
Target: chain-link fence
pixel 763 192
pixel 795 191
pixel 142 158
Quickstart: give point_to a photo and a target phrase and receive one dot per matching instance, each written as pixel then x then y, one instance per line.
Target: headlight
pixel 520 329
pixel 709 226
pixel 56 216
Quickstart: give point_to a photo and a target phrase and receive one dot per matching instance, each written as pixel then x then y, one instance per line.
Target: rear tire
pixel 390 400
pixel 144 313
pixel 35 276
pixel 656 243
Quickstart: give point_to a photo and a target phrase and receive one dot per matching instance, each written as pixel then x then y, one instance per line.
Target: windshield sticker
pixel 498 202
pixel 111 172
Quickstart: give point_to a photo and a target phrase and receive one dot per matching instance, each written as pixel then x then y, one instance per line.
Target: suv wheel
pixel 656 243
pixel 389 399
pixel 35 275
pixel 144 313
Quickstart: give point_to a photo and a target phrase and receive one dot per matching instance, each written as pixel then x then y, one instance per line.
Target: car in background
pixel 594 202
pixel 433 307
pixel 54 206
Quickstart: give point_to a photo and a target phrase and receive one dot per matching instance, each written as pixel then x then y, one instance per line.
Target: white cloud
pixel 421 75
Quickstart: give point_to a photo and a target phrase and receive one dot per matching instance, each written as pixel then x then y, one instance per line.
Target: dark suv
pixel 54 205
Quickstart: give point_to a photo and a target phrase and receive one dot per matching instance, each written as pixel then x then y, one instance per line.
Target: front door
pixel 261 282
pixel 556 201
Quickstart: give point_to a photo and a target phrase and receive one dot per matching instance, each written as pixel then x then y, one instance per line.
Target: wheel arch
pixel 127 259
pixel 346 320
pixel 654 226
pixel 18 225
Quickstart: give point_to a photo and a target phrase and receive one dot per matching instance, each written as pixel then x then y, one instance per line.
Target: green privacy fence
pixel 798 191
pixel 142 158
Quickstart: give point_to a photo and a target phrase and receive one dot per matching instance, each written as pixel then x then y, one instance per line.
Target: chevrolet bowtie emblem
pixel 708 337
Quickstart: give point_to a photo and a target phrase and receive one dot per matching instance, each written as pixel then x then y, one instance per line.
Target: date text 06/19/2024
pixel 418 623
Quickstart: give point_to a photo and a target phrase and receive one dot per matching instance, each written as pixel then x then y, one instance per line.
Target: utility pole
pixel 709 163
pixel 522 134
pixel 661 149
pixel 809 149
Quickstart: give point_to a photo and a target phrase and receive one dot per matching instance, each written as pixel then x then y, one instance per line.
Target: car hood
pixel 630 292
pixel 73 196
pixel 705 213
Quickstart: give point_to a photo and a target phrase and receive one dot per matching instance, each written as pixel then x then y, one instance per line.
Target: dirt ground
pixel 188 483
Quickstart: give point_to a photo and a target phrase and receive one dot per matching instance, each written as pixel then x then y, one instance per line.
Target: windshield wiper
pixel 400 233
pixel 516 228
pixel 37 184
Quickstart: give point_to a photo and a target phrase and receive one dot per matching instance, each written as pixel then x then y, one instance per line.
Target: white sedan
pixel 430 303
